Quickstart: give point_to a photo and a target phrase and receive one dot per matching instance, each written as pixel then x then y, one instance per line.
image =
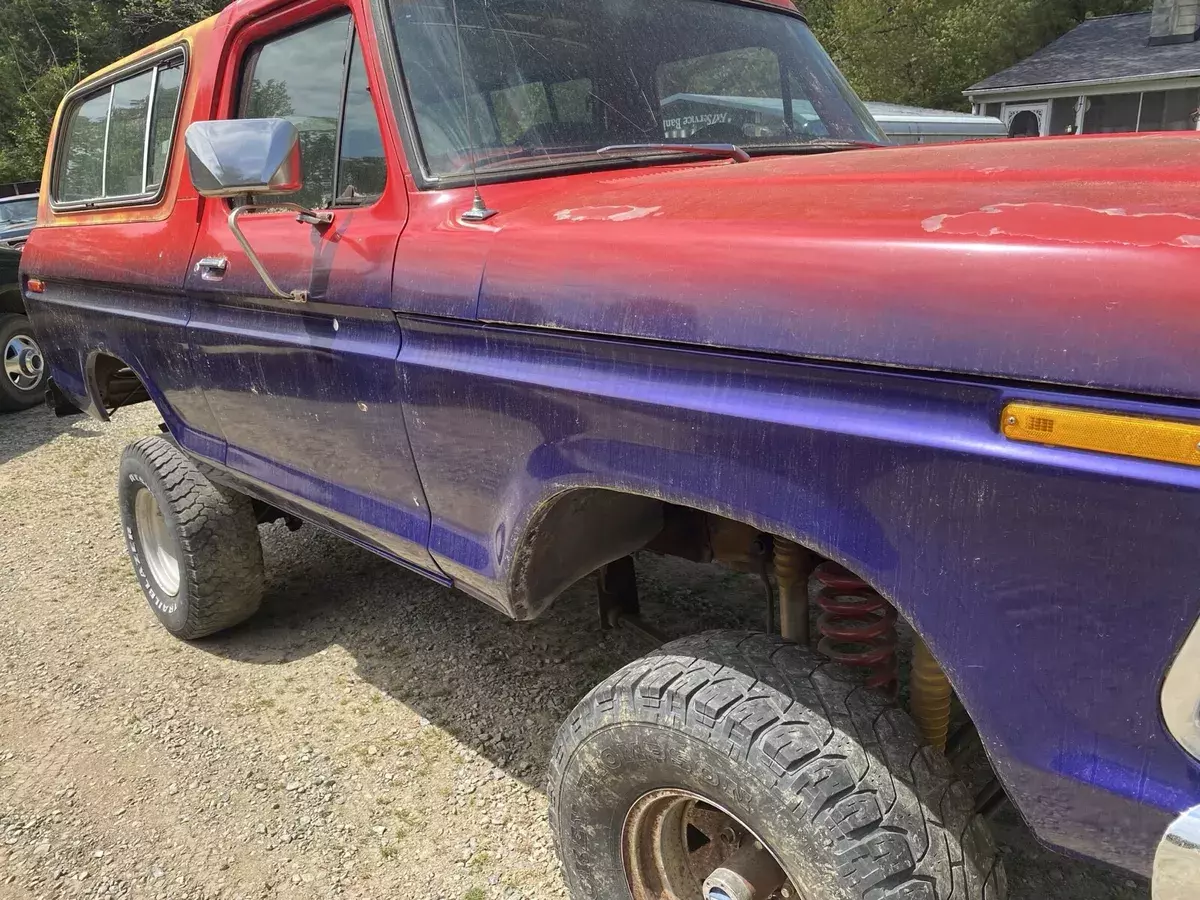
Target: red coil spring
pixel 857 626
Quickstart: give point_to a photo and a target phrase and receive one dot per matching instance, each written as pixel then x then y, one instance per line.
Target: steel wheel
pixel 674 841
pixel 23 362
pixel 157 544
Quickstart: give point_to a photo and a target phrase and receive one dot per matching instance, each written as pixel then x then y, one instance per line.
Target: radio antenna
pixel 479 211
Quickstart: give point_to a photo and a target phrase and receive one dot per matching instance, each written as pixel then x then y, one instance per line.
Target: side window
pixel 116 142
pixel 162 120
pixel 127 136
pixel 296 77
pixel 82 156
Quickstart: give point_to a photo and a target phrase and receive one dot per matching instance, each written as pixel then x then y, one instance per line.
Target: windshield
pixel 16 212
pixel 547 79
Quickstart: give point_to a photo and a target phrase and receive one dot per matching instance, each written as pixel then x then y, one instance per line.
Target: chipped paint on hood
pixel 1069 261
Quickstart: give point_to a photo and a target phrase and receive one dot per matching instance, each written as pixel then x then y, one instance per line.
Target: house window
pixel 1112 113
pixel 993 109
pixel 1169 110
pixel 1062 115
pixel 116 140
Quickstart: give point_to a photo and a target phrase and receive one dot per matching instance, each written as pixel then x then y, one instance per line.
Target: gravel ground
pixel 368 734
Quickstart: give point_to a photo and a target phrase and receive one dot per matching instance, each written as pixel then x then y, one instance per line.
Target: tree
pixel 47 46
pixel 925 52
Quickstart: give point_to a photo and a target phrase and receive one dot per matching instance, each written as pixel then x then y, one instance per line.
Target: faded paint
pixel 606 213
pixel 1057 221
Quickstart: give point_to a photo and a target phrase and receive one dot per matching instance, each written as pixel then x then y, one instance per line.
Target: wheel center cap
pixel 30 362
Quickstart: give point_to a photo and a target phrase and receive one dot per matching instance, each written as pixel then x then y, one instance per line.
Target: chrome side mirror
pixel 233 157
pixel 229 157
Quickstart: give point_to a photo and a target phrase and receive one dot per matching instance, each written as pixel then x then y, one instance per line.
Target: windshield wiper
pixel 727 151
pixel 819 145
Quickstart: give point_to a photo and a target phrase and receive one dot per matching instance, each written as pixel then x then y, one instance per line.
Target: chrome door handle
pixel 212 268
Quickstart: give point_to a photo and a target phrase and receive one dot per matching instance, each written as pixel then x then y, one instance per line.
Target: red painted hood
pixel 1070 260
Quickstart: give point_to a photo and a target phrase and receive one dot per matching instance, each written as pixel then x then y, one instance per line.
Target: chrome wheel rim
pixel 673 840
pixel 156 543
pixel 23 363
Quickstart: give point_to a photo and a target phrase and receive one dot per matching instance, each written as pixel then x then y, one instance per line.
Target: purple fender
pixel 1047 581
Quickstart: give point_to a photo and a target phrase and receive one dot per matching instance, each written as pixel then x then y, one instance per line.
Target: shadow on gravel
pixel 499 686
pixel 21 432
pixel 502 687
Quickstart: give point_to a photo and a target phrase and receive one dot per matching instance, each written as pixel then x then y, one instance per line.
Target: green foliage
pixel 46 46
pixel 925 52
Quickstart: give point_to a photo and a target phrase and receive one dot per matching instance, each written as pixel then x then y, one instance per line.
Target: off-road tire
pixel 832 776
pixel 13 398
pixel 216 533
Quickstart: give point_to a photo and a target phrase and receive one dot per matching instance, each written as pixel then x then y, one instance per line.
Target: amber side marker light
pixel 1081 429
pixel 35 285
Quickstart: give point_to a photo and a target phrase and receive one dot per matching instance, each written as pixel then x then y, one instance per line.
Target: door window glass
pixel 294 77
pixel 362 170
pixel 300 77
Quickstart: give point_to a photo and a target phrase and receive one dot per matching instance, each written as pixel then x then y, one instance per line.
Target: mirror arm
pixel 318 219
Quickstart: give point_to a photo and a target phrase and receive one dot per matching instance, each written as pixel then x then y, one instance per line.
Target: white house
pixel 1130 72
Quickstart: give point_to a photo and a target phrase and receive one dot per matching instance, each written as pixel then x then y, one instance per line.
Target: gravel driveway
pixel 367 734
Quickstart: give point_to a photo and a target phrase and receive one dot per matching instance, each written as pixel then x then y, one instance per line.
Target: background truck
pixel 447 278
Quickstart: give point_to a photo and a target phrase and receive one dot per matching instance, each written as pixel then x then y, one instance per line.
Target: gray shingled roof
pixel 1109 48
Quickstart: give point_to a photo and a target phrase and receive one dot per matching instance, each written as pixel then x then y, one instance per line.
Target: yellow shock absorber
pixel 793 565
pixel 929 696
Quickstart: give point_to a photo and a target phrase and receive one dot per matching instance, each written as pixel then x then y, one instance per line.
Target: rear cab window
pixel 116 139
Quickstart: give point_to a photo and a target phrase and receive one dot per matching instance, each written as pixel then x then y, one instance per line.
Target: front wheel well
pixel 581 531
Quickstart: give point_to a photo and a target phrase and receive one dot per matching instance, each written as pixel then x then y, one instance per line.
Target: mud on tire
pixel 831 776
pixel 215 536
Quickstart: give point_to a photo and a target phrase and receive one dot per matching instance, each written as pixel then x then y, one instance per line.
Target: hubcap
pixel 156 543
pixel 23 362
pixel 674 840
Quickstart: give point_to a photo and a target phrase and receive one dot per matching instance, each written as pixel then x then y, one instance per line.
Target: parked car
pixel 440 277
pixel 17 217
pixel 23 382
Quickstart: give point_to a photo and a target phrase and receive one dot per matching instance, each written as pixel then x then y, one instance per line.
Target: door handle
pixel 212 268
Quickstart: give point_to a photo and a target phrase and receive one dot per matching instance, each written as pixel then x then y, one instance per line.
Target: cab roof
pixel 246 9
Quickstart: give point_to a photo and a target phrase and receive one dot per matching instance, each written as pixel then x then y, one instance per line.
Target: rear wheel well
pixel 114 384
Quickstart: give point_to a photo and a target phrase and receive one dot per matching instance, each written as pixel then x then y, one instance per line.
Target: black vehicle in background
pixel 22 382
pixel 18 214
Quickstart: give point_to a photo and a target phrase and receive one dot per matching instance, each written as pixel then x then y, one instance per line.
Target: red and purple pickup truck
pixel 475 284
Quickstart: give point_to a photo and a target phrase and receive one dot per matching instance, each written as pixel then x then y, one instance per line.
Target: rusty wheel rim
pixel 673 840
